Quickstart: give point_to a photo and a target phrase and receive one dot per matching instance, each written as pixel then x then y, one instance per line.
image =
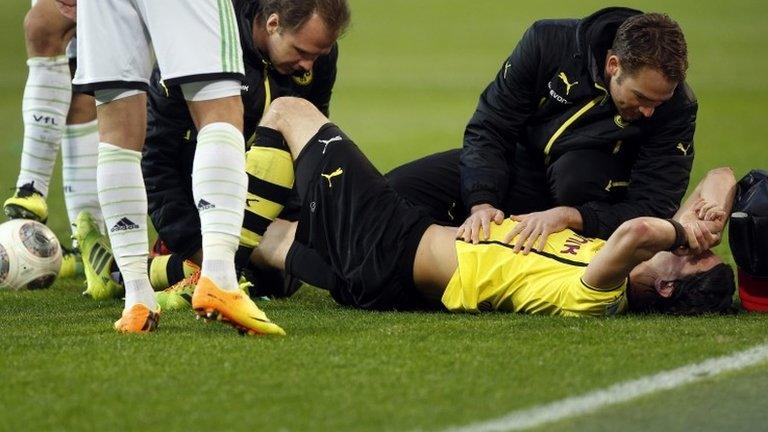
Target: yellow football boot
pixel 179 295
pixel 97 259
pixel 71 263
pixel 26 203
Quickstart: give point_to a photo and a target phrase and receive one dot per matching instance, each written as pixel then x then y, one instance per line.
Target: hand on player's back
pixel 538 226
pixel 479 222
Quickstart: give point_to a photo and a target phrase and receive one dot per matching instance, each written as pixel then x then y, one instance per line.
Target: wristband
pixel 681 238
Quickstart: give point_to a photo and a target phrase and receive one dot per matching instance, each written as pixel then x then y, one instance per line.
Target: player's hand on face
pixel 709 211
pixel 68 8
pixel 479 222
pixel 535 227
pixel 700 237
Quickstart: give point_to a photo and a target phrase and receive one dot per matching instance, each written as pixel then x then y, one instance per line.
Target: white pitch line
pixel 619 393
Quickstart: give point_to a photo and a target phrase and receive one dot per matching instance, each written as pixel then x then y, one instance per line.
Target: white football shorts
pixel 119 40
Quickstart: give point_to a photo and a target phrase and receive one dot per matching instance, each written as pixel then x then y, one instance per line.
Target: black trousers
pixel 577 177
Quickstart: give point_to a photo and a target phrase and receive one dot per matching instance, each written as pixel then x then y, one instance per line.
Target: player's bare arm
pixel 711 201
pixel 702 217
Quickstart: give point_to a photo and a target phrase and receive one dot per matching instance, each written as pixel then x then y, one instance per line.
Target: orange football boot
pixel 232 307
pixel 137 319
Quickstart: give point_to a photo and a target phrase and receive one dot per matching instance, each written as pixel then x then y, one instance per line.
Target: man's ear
pixel 666 289
pixel 612 65
pixel 273 24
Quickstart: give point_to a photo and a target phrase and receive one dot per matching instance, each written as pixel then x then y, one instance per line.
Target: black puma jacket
pixel 550 97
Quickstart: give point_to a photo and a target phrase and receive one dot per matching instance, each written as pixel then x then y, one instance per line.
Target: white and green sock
pixel 47 96
pixel 79 158
pixel 123 201
pixel 219 186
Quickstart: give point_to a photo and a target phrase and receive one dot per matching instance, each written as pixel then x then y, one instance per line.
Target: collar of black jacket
pixel 595 35
pixel 245 11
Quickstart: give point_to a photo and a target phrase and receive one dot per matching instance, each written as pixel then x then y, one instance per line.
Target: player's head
pixel 294 33
pixel 687 285
pixel 649 57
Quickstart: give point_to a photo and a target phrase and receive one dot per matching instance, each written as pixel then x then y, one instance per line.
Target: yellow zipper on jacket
pixel 572 119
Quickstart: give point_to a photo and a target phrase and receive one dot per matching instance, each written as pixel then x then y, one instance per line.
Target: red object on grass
pixel 753 292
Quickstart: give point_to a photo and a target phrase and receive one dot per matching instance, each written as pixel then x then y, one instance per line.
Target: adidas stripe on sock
pixel 219 187
pixel 79 156
pixel 124 206
pixel 47 96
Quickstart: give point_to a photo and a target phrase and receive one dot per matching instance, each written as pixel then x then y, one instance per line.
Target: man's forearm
pixel 718 186
pixel 573 218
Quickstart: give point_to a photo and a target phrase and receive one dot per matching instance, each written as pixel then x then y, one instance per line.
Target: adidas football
pixel 30 255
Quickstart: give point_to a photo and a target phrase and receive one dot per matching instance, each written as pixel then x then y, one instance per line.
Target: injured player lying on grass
pixel 358 239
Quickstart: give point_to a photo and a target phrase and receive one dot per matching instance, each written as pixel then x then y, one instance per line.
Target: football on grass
pixel 30 255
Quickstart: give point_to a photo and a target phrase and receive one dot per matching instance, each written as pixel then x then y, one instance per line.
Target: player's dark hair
pixel 295 13
pixel 710 291
pixel 652 40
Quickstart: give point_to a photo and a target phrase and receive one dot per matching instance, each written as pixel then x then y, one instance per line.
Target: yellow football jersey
pixel 492 277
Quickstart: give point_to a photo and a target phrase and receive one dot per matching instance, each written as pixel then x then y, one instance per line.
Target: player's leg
pixel 79 151
pixel 350 216
pixel 581 176
pixel 209 69
pixel 44 108
pixel 115 62
pixel 432 182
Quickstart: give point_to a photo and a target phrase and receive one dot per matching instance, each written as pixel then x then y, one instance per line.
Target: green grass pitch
pixel 410 74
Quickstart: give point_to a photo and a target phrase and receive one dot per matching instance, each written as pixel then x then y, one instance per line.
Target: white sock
pixel 219 185
pixel 124 206
pixel 44 108
pixel 79 158
pixel 137 292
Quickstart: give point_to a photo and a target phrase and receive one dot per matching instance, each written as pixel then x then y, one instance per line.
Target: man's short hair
pixel 709 291
pixel 652 40
pixel 295 13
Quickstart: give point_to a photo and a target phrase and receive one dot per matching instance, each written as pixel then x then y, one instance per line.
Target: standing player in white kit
pixel 197 47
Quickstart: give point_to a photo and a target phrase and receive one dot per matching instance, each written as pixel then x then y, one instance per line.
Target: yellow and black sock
pixel 166 270
pixel 270 179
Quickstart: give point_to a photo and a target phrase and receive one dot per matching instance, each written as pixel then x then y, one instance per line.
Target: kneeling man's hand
pixel 479 221
pixel 538 226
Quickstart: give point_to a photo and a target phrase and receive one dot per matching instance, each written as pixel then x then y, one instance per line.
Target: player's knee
pixel 288 112
pixel 40 39
pixel 82 109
